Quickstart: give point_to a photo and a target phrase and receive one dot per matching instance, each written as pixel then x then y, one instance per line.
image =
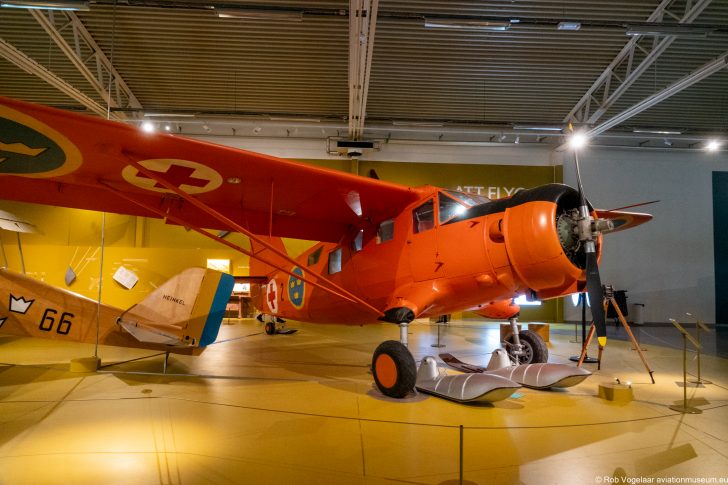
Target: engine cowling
pixel 543 246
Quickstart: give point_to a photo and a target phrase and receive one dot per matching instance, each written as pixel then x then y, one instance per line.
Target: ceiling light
pixel 257 14
pixel 680 30
pixel 169 115
pixel 578 140
pixel 445 23
pixel 518 126
pixel 418 123
pixel 657 131
pixel 47 5
pixel 294 118
pixel 713 145
pixel 148 127
pixel 569 26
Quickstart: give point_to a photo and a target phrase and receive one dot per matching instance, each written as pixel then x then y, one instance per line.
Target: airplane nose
pixel 543 239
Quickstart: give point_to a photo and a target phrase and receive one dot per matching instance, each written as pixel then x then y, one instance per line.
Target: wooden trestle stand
pixel 609 299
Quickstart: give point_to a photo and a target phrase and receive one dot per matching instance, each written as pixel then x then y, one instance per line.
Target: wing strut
pixel 336 290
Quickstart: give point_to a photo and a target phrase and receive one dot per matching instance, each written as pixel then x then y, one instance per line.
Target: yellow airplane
pixel 183 315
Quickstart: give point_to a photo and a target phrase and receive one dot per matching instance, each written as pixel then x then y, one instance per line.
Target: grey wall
pixel 666 264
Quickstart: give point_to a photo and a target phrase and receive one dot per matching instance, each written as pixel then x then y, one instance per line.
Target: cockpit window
pixel 423 217
pixel 469 199
pixel 356 243
pixel 386 231
pixel 335 261
pixel 313 258
pixel 449 208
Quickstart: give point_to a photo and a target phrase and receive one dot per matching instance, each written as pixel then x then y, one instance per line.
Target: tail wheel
pixel 394 369
pixel 270 328
pixel 534 348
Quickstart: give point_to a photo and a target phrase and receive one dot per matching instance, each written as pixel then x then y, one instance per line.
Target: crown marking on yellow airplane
pixel 19 304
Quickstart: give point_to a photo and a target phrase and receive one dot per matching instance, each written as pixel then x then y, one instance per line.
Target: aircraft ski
pixel 463 388
pixel 534 376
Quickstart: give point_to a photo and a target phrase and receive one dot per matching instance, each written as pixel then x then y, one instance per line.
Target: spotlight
pixel 578 140
pixel 148 127
pixel 713 145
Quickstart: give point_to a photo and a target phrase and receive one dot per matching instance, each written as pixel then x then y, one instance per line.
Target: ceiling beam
pixel 697 75
pixel 362 26
pixel 599 95
pixel 30 66
pixel 87 57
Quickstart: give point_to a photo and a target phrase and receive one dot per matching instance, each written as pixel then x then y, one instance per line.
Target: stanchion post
pixel 461 454
pixel 684 408
pixel 699 325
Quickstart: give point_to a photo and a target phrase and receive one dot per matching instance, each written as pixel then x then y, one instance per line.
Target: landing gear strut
pixel 525 346
pixel 403 327
pixel 274 325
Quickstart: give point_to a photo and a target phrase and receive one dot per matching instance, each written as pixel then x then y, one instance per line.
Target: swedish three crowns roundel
pixel 296 288
pixel 30 148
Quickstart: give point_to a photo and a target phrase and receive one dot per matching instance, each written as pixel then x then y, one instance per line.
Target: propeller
pixel 588 229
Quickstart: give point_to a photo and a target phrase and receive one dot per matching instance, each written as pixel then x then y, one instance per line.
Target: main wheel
pixel 534 348
pixel 270 328
pixel 394 369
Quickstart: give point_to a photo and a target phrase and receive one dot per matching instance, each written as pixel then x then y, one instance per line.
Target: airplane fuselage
pixel 434 258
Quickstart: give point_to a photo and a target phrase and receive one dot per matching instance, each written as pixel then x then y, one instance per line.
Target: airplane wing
pixel 55 157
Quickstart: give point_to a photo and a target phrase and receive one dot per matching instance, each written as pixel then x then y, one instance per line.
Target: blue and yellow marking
pixel 32 149
pixel 296 288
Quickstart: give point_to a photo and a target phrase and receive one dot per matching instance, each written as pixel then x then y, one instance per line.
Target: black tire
pixel 533 345
pixel 270 328
pixel 394 369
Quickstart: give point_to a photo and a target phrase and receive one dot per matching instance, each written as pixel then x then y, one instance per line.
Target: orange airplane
pixel 388 253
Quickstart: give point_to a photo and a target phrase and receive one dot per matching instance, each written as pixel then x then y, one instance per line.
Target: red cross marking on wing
pixel 179 175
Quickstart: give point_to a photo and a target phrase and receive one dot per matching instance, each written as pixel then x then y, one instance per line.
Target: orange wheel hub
pixel 386 371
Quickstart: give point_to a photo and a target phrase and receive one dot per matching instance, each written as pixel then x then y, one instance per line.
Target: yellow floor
pixel 302 409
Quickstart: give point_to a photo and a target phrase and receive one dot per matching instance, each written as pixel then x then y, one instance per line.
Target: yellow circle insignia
pixel 190 177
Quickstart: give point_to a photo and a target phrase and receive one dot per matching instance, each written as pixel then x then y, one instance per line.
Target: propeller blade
pixel 633 206
pixel 596 297
pixel 622 220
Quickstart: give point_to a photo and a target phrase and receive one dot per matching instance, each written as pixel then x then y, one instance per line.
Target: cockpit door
pixel 422 241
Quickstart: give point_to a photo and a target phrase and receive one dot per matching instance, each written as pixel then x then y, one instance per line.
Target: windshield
pixel 468 199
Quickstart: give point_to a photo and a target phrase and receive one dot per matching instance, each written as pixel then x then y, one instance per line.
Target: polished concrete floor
pixel 301 408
